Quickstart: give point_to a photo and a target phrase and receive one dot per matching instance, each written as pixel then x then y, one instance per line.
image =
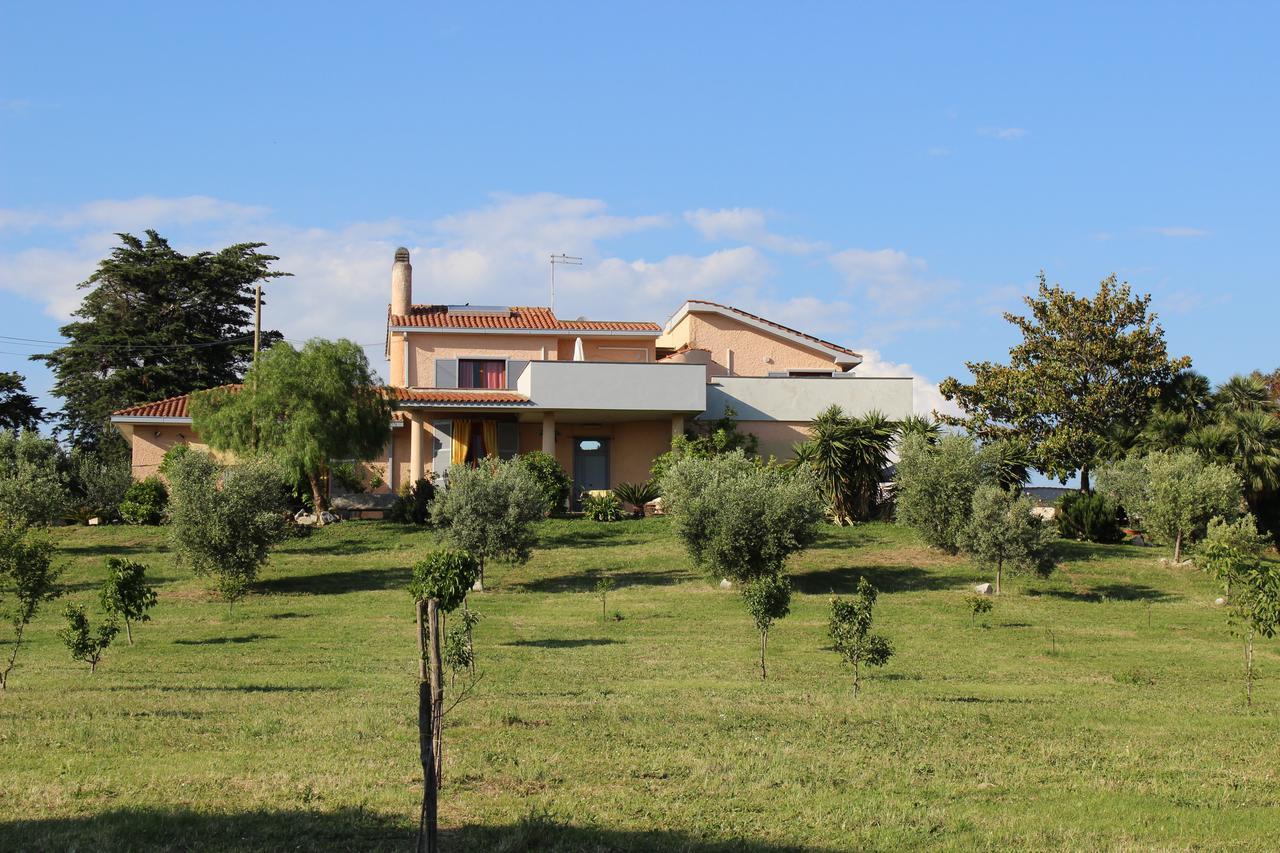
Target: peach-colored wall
pixel 395 360
pixel 750 346
pixel 151 442
pixel 776 437
pixel 633 446
pixel 610 349
pixel 426 347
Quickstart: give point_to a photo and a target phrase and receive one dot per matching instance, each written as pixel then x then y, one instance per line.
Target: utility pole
pixel 560 259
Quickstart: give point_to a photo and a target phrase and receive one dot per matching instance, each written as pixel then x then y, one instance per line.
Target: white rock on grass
pixel 985 589
pixel 725 583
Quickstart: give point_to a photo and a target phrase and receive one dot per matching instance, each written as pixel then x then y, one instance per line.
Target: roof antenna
pixel 560 259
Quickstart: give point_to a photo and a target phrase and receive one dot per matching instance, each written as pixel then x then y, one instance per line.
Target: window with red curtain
pixel 477 373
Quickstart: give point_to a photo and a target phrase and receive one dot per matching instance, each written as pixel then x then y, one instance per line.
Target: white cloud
pixel 1008 134
pixel 896 282
pixel 133 214
pixel 746 225
pixel 925 396
pixel 1179 231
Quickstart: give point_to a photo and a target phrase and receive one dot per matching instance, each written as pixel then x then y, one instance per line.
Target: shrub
pixel 1089 518
pixel 1003 533
pixel 33 480
pixel 225 520
pixel 345 476
pixel 550 476
pixel 171 458
pixel 145 501
pixel 934 488
pixel 83 644
pixel 977 604
pixel 99 482
pixel 604 507
pixel 850 631
pixel 637 494
pixel 445 575
pixel 413 506
pixel 27 579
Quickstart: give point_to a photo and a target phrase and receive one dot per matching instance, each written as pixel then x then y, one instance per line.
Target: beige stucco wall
pixel 609 349
pixel 751 347
pixel 426 347
pixel 776 437
pixel 151 442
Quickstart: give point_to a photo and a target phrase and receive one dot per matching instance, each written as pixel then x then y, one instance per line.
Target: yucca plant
pixel 637 494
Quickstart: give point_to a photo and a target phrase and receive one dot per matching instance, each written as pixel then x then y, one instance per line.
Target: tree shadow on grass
pixel 238 688
pixel 111 550
pixel 586 581
pixel 342 829
pixel 844 579
pixel 551 643
pixel 218 641
pixel 1109 592
pixel 592 534
pixel 337 583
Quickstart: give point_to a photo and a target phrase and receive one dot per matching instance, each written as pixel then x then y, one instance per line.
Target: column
pixel 677 425
pixel 549 433
pixel 415 447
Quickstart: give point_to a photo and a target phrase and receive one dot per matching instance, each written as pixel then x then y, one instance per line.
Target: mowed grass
pixel 1101 708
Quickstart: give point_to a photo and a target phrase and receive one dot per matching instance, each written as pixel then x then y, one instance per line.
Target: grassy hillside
pixel 1100 708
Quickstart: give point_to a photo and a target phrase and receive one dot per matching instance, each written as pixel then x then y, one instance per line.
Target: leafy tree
pixel 603 587
pixel 304 407
pixel 490 509
pixel 1089 518
pixel 1003 533
pixel 550 476
pixel 977 604
pixel 99 481
pixel 1255 612
pixel 1085 367
pixel 848 455
pixel 703 439
pixel 155 323
pixel 1230 548
pixel 934 488
pixel 18 409
pixel 33 479
pixel 145 501
pixel 126 593
pixel 850 630
pixel 81 641
pixel 223 521
pixel 28 578
pixel 742 520
pixel 1173 495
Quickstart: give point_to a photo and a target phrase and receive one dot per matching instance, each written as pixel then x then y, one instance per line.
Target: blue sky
pixel 890 176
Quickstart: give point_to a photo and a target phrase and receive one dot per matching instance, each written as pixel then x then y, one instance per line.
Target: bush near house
pixel 604 507
pixel 145 501
pixel 1089 518
pixel 550 476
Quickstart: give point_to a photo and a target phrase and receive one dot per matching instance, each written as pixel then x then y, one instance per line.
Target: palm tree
pixel 1243 394
pixel 870 443
pixel 847 455
pixel 1009 463
pixel 1252 444
pixel 921 425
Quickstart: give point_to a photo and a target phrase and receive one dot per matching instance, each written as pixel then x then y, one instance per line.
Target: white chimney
pixel 401 283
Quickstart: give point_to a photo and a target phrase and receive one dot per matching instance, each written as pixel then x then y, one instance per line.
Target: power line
pixel 33 342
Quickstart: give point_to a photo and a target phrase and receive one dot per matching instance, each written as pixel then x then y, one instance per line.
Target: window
pixel 475 373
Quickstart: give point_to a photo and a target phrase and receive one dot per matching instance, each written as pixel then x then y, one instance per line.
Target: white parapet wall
pixel 614 386
pixel 780 398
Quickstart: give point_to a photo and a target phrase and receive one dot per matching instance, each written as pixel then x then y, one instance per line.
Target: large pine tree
pixel 18 409
pixel 154 324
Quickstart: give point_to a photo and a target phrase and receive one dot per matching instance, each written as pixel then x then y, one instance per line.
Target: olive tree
pixel 224 520
pixel 490 509
pixel 28 578
pixel 83 643
pixel 33 478
pixel 934 487
pixel 1003 533
pixel 742 520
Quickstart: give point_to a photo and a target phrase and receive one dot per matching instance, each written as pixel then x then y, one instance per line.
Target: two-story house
pixel 603 397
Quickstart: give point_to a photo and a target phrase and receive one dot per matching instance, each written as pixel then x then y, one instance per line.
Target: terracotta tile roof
pixel 523 318
pixel 450 395
pixel 786 329
pixel 173 407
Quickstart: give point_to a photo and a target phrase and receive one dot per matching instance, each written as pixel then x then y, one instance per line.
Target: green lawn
pixel 1102 708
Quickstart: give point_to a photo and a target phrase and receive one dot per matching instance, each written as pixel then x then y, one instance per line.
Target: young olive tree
pixel 850 630
pixel 33 479
pixel 742 520
pixel 125 593
pixel 934 487
pixel 28 578
pixel 1173 494
pixel 439 585
pixel 1255 612
pixel 489 510
pixel 224 520
pixel 1003 533
pixel 83 643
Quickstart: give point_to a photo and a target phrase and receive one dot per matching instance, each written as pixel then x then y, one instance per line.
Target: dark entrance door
pixel 590 467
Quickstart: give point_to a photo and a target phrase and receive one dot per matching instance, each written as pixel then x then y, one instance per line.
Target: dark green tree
pixel 1087 367
pixel 126 593
pixel 83 643
pixel 850 630
pixel 847 455
pixel 304 407
pixel 18 409
pixel 28 578
pixel 155 323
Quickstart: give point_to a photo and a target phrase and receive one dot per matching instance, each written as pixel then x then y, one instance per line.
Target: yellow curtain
pixel 461 441
pixel 490 438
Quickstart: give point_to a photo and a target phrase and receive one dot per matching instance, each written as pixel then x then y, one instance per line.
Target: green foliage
pixel 303 407
pixel 847 455
pixel 83 643
pixel 224 520
pixel 978 605
pixel 345 476
pixel 605 507
pixel 446 575
pixel 550 477
pixel 1231 548
pixel 99 481
pixel 1173 495
pixel 413 506
pixel 191 314
pixel 456 651
pixel 934 488
pixel 637 494
pixel 767 599
pixel 171 458
pixel 850 631
pixel 1086 367
pixel 28 578
pixel 145 501
pixel 1089 518
pixel 922 426
pixel 1003 533
pixel 125 592
pixel 604 586
pixel 490 510
pixel 18 409
pixel 1007 463
pixel 33 480
pixel 702 440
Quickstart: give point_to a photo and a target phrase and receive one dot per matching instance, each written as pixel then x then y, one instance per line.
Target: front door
pixel 590 467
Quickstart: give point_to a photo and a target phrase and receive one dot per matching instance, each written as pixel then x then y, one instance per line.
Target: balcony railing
pixel 614 386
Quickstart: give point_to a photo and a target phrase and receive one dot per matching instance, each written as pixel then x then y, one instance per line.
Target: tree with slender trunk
pixel 126 593
pixel 850 631
pixel 1003 533
pixel 28 578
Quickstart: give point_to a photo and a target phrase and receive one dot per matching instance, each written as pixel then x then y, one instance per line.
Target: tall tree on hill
pixel 18 409
pixel 1087 367
pixel 155 323
pixel 304 407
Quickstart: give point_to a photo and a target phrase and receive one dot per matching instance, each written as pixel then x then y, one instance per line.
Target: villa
pixel 604 397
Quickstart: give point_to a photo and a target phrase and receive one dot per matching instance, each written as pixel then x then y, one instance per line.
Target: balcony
pixel 607 386
pixel 781 398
